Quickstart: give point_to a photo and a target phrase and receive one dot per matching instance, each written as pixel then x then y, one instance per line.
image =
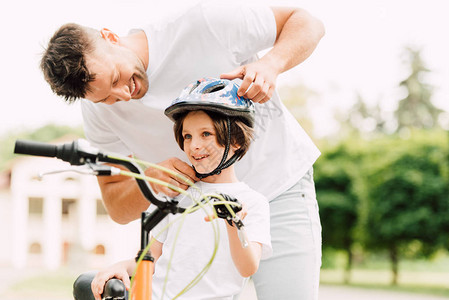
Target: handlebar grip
pixel 35 148
pixel 69 152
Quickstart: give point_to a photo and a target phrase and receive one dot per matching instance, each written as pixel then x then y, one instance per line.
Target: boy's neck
pixel 226 176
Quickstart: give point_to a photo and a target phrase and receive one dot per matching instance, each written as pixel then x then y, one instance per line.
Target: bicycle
pixel 91 161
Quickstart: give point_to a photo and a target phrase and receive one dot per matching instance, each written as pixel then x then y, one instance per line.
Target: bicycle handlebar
pixel 76 153
pixel 80 152
pixel 35 148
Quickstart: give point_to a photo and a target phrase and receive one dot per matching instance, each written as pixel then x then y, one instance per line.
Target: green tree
pixel 334 177
pixel 364 119
pixel 416 110
pixel 407 197
pixel 45 133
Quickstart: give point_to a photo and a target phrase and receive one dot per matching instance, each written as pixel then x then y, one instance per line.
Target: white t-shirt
pixel 194 246
pixel 208 39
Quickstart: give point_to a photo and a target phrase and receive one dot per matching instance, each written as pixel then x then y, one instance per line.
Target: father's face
pixel 119 75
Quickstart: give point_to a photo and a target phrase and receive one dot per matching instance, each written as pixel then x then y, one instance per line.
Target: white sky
pixel 361 51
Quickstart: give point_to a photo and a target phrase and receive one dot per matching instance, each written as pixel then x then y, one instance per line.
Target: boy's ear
pixel 110 36
pixel 235 147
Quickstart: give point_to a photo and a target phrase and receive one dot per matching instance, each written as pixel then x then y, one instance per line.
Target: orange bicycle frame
pixel 142 287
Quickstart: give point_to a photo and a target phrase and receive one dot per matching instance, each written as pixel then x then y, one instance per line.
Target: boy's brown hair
pixel 241 134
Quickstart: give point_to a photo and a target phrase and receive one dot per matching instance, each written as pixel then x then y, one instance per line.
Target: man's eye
pixel 116 79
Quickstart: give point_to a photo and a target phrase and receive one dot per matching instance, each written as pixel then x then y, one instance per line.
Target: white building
pixel 59 220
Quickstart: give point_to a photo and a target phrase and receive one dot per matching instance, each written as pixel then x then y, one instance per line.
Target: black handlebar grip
pixel 35 148
pixel 114 289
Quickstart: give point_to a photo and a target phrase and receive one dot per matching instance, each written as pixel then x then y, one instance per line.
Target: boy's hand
pixel 241 214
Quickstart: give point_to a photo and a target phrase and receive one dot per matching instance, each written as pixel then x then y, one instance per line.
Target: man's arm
pixel 124 200
pixel 298 34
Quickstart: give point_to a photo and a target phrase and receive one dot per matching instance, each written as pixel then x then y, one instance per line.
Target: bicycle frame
pixel 79 152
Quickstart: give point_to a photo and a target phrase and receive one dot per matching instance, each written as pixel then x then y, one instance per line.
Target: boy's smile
pixel 200 142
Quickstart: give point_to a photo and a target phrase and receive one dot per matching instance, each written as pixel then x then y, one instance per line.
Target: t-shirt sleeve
pixel 243 28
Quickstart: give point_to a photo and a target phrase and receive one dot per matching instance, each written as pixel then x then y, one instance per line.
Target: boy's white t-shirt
pixel 193 246
pixel 209 39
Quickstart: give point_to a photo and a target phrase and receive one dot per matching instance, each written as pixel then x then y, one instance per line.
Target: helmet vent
pixel 194 86
pixel 214 88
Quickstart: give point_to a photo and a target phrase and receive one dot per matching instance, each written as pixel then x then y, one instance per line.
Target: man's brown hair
pixel 241 134
pixel 64 62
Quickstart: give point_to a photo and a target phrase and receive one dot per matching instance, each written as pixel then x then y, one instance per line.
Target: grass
pixel 416 276
pixel 41 285
pixel 431 283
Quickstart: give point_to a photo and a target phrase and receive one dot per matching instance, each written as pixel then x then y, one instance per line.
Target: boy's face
pixel 200 142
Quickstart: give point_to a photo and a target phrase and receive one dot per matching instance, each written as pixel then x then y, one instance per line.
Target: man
pixel 151 66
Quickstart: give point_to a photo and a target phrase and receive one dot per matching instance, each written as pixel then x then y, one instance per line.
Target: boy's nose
pixel 195 144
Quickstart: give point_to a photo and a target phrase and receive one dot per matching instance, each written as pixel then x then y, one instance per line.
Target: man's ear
pixel 110 36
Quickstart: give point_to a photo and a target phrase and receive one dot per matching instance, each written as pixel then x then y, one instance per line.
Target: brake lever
pixel 222 212
pixel 241 232
pixel 93 169
pixel 82 171
pixel 104 170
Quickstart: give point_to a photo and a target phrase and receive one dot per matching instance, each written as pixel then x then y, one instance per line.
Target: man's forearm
pixel 122 198
pixel 298 34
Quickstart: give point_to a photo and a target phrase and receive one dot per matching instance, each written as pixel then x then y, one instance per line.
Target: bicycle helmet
pixel 217 95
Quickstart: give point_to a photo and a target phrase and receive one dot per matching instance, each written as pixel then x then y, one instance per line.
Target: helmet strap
pixel 223 163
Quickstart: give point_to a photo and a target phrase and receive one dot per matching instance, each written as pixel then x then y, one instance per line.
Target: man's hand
pixel 174 164
pixel 118 270
pixel 259 80
pixel 298 33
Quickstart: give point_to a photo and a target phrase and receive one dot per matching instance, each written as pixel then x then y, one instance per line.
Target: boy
pixel 213 126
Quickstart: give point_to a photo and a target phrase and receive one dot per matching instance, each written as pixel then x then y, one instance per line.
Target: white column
pixel 52 247
pixel 20 226
pixel 86 219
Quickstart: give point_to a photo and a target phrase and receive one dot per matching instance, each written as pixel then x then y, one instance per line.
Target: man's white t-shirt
pixel 209 39
pixel 189 250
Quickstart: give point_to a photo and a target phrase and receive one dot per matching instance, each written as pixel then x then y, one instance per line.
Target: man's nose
pixel 121 93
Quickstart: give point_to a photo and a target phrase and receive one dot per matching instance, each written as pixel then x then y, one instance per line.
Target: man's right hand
pixel 176 165
pixel 120 270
